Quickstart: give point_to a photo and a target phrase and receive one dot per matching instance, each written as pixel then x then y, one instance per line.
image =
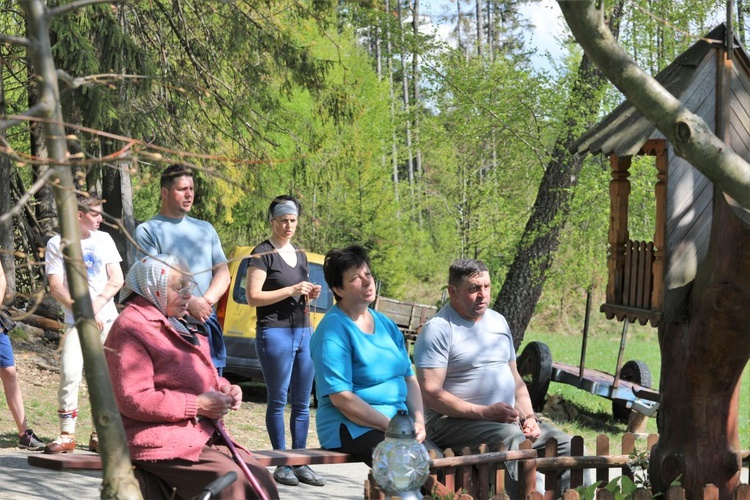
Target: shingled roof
pixel 625 129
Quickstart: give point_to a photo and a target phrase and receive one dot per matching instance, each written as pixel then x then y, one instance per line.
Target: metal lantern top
pixel 401 426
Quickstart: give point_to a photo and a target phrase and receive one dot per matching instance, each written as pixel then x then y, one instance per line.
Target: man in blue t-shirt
pixel 196 243
pixel 466 368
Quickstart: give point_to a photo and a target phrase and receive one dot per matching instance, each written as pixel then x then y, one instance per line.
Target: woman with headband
pixel 278 287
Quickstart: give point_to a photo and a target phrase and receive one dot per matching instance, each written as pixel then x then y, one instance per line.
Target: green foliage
pixel 655 33
pixel 638 465
pixel 281 97
pixel 621 488
pixel 18 335
pixel 94 43
pixel 487 148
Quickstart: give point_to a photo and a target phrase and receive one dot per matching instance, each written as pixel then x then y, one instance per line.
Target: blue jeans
pixel 216 342
pixel 284 355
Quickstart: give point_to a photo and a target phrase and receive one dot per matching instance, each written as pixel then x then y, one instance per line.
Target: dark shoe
pixel 63 444
pixel 308 476
pixel 29 441
pixel 94 442
pixel 285 475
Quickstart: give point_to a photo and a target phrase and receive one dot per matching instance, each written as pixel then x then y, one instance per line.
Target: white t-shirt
pixel 98 250
pixel 476 356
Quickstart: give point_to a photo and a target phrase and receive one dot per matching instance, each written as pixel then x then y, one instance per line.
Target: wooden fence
pixel 481 476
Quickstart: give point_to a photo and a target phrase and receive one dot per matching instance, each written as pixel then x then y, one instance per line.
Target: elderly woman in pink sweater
pixel 167 388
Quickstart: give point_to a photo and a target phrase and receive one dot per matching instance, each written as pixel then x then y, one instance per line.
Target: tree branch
pixel 15 40
pixel 690 136
pixel 63 9
pixel 37 110
pixel 104 78
pixel 27 196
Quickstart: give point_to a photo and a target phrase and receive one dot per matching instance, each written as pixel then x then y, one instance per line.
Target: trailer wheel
pixel 535 367
pixel 635 371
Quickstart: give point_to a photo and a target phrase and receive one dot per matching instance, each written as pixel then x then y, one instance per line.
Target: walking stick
pixel 237 458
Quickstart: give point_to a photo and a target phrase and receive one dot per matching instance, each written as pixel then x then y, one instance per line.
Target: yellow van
pixel 238 319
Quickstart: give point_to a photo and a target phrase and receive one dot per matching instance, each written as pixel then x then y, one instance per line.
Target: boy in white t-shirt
pixel 105 279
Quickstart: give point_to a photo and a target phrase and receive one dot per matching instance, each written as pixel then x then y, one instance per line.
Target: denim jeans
pixel 216 342
pixel 284 355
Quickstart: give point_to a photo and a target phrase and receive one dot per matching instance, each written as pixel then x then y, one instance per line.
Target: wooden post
pixel 576 450
pixel 660 191
pixel 466 475
pixel 602 448
pixel 619 192
pixel 526 473
pixel 550 478
pixel 628 447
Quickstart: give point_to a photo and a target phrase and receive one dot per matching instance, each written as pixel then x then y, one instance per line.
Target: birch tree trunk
pixel 480 29
pixel 392 93
pixel 416 105
pixel 406 105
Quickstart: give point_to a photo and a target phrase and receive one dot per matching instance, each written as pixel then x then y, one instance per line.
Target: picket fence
pixel 481 476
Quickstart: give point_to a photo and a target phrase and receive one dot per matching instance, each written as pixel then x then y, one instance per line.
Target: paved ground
pixel 18 481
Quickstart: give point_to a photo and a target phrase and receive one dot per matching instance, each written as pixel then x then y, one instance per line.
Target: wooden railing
pixel 637 274
pixel 636 287
pixel 481 475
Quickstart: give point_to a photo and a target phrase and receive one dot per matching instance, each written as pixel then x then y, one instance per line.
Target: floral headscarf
pixel 149 278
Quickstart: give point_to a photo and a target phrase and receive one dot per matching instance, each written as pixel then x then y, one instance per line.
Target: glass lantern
pixel 400 463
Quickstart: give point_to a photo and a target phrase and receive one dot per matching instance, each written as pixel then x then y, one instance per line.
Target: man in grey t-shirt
pixel 466 368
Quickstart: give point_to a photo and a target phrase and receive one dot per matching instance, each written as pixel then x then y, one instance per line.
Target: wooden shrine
pixel 649 281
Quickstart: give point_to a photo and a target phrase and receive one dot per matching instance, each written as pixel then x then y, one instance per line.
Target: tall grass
pixel 595 412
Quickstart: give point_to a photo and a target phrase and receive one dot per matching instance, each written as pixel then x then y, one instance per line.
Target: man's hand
pixel 200 308
pixel 500 412
pixel 214 404
pixel 98 303
pixel 530 428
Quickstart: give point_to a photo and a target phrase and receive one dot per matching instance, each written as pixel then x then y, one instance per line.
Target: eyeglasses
pixel 185 290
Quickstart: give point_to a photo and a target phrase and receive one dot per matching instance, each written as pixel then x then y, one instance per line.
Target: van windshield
pixel 321 305
pixel 325 301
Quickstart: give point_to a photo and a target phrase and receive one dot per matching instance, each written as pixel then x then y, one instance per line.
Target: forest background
pixel 423 148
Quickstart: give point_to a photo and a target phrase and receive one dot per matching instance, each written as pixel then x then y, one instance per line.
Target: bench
pixel 269 458
pixel 91 461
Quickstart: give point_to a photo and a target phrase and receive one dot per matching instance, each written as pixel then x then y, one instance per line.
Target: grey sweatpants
pixel 457 433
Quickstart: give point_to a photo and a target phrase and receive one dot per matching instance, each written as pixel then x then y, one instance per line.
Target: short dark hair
pixel 87 200
pixel 282 198
pixel 338 261
pixel 172 172
pixel 465 268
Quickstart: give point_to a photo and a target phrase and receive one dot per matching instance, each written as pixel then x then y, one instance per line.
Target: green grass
pixel 595 413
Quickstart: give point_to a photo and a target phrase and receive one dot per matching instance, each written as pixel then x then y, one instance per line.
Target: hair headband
pixel 286 207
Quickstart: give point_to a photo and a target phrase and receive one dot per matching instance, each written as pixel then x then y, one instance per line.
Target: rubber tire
pixel 535 367
pixel 635 371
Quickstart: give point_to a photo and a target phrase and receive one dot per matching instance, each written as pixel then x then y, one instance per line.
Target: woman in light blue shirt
pixel 363 374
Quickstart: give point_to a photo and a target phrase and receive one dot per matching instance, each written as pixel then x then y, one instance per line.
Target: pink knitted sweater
pixel 157 375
